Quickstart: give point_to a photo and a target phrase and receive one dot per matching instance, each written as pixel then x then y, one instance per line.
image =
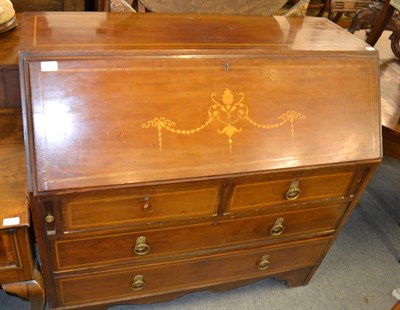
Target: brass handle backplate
pixel 146 204
pixel 141 247
pixel 293 191
pixel 137 283
pixel 264 262
pixel 278 227
pixel 49 218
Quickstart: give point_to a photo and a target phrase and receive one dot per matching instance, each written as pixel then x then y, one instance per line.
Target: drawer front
pixel 258 195
pixel 188 274
pixel 15 255
pixel 152 244
pixel 9 254
pixel 139 206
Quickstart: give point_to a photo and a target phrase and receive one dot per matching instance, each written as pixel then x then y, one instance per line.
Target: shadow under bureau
pixel 170 153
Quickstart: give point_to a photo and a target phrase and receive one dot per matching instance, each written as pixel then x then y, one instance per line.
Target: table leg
pixel 32 291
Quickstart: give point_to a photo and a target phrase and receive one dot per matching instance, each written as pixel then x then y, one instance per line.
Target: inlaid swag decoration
pixel 228 114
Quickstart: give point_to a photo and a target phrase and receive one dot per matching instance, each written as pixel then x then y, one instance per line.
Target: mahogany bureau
pixel 174 153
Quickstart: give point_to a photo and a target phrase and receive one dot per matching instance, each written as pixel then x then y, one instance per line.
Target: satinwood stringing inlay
pixel 228 113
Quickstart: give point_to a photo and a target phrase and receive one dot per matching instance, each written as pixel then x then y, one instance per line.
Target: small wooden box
pixel 174 153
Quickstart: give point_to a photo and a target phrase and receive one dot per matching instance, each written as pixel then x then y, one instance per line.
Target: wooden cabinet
pixel 174 153
pixel 19 273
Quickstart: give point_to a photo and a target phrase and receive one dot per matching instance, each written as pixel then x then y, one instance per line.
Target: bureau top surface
pixel 170 107
pixel 9 46
pixel 94 31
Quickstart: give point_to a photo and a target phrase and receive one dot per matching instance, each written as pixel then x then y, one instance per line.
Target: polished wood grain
pixel 9 46
pixel 250 194
pixel 190 131
pixel 135 32
pixel 139 206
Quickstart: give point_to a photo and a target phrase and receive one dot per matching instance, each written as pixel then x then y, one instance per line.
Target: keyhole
pixel 226 67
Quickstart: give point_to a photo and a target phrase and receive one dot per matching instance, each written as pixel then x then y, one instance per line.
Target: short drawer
pixel 137 206
pixel 196 273
pixel 92 251
pixel 257 195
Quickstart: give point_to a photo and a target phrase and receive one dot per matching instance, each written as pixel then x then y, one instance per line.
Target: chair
pixel 241 7
pixel 339 7
pixel 377 17
pixel 119 6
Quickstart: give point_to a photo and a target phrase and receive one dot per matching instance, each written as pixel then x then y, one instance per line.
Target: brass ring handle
pixel 278 227
pixel 137 283
pixel 141 247
pixel 49 218
pixel 264 263
pixel 293 191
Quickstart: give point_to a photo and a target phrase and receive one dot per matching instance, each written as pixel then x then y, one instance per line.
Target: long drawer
pixel 80 252
pixel 196 273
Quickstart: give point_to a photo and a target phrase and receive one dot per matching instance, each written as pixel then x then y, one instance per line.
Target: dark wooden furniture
pixel 380 16
pixel 10 94
pixel 242 7
pixel 317 7
pixel 339 7
pixel 175 153
pixel 18 271
pixel 46 5
pixel 236 7
pixel 383 21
